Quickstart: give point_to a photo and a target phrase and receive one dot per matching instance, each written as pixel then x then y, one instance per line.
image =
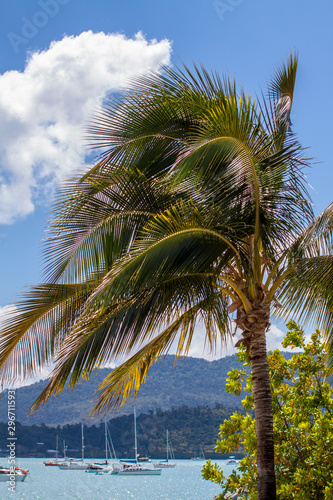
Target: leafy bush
pixel 303 424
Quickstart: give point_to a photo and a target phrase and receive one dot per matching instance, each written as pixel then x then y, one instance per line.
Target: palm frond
pixel 307 293
pixel 31 336
pixel 280 100
pixel 316 239
pixel 130 375
pixel 118 334
pixel 198 187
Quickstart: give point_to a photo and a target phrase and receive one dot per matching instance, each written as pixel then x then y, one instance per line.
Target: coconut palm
pixel 197 211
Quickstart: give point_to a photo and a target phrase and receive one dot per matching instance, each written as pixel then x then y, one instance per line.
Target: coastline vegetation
pixel 189 428
pixel 303 424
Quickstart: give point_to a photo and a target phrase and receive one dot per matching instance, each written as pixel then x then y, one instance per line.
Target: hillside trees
pixel 303 424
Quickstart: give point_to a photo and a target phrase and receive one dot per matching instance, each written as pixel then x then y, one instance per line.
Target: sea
pixel 184 482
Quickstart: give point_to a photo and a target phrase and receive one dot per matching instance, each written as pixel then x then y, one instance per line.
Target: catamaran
pixel 167 464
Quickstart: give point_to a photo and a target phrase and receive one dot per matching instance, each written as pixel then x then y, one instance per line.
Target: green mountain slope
pixel 192 382
pixel 189 429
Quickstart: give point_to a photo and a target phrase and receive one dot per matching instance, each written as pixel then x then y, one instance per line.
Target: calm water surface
pixel 184 482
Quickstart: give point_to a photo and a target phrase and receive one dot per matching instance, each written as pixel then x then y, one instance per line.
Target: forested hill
pixel 189 429
pixel 192 382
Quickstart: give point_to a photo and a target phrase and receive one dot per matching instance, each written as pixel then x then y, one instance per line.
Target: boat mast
pixel 82 439
pixel 135 438
pixel 167 445
pixel 106 441
pixel 57 446
pixel 112 450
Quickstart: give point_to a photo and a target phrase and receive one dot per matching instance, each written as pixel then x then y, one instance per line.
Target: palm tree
pixel 197 211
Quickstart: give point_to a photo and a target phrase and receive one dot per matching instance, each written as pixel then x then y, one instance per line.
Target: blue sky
pixel 58 58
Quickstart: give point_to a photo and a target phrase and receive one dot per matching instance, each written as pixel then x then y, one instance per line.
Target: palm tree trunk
pixel 264 419
pixel 254 325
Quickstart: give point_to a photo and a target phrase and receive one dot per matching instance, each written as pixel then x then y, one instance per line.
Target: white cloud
pixel 44 109
pixel 274 338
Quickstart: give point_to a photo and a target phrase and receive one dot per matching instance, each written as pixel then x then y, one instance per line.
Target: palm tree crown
pixel 196 211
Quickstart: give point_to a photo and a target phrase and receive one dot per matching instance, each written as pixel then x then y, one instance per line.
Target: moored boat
pixel 135 468
pixel 51 463
pixel 75 463
pixel 54 462
pixel 168 463
pixel 106 467
pixel 138 470
pixel 201 455
pixel 13 474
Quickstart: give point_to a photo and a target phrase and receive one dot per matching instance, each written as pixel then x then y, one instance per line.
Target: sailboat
pixel 52 462
pixel 106 466
pixel 135 468
pixel 13 474
pixel 201 455
pixel 75 463
pixel 167 464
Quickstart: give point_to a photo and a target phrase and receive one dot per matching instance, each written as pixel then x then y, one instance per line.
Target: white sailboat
pixel 137 468
pixel 75 463
pixel 54 462
pixel 106 466
pixel 167 464
pixel 201 455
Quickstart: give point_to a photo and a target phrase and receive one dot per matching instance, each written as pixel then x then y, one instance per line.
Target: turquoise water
pixel 184 482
